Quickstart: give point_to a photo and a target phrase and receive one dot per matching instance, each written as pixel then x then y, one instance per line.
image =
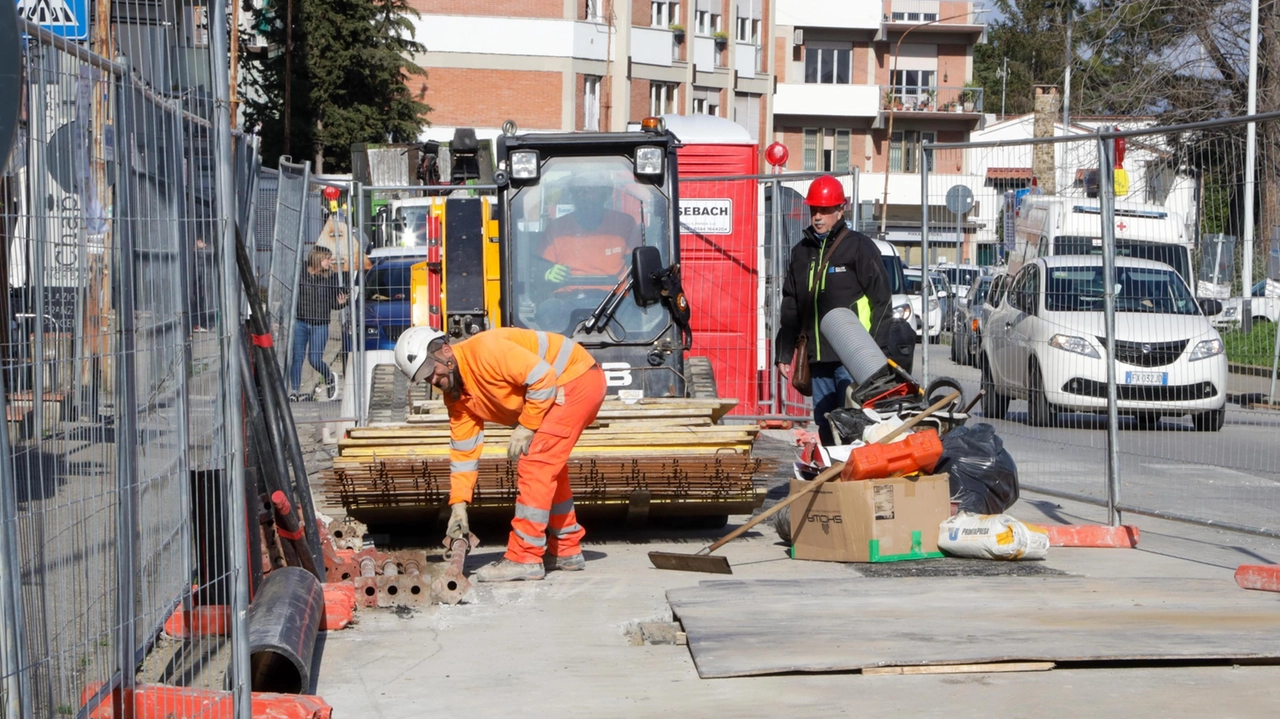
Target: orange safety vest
pixel 509 376
pixel 599 251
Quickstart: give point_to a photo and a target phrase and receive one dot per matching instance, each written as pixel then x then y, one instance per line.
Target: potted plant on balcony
pixel 967 97
pixel 721 38
pixel 677 32
pixel 929 100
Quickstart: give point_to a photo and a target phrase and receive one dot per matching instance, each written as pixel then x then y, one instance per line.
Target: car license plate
pixel 1161 378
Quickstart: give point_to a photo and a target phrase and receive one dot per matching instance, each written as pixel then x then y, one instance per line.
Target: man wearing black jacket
pixel 832 266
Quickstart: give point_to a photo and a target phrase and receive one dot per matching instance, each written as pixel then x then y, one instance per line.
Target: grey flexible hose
pixel 855 347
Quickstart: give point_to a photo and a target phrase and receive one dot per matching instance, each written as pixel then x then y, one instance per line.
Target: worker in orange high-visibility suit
pixel 545 386
pixel 591 242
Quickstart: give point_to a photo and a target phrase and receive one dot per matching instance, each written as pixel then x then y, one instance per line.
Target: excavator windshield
pixel 571 238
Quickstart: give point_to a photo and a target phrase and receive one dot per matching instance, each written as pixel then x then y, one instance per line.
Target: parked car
pixel 939 303
pixel 966 340
pixel 1265 305
pixel 387 306
pixel 961 278
pixel 1045 344
pixel 897 285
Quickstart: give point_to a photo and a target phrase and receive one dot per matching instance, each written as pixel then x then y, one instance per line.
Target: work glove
pixel 458 527
pixel 557 274
pixel 521 438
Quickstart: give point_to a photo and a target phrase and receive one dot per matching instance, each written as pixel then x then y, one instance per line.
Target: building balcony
pixel 827 100
pixel 653 46
pixel 931 103
pixel 923 16
pixel 827 14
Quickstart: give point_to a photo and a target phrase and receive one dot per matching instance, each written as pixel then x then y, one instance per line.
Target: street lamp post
pixel 884 201
pixel 1004 81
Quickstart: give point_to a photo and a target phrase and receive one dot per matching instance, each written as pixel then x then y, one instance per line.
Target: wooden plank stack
pixel 670 449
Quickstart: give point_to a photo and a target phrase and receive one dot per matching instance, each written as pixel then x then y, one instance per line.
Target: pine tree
pixel 347 78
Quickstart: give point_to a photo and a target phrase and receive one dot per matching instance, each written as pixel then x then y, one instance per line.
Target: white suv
pixel 1045 344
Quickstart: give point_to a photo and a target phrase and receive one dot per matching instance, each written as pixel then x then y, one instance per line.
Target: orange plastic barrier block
pixel 918 452
pixel 155 701
pixel 1093 535
pixel 200 621
pixel 339 606
pixel 1264 577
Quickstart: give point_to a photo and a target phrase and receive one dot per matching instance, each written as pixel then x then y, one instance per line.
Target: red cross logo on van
pixel 1121 226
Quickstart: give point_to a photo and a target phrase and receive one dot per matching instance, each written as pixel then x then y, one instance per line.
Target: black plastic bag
pixel 847 424
pixel 984 478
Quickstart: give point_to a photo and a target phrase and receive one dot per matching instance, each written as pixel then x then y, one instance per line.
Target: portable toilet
pixel 719 252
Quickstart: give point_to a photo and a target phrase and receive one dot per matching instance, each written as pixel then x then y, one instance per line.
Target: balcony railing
pixel 931 99
pixel 921 11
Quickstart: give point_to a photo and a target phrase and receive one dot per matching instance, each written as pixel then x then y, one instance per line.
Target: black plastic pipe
pixel 276 403
pixel 283 622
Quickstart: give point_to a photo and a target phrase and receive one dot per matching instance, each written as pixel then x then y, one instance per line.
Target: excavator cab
pixel 589 230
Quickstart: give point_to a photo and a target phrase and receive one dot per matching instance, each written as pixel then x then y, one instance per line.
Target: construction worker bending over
pixel 548 389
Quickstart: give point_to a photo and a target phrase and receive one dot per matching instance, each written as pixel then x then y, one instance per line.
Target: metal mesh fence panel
pixel 1144 251
pixel 781 220
pixel 119 480
pixel 323 358
pixel 287 255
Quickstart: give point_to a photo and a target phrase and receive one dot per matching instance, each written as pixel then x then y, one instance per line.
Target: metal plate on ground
pixel 957 567
pixel 745 628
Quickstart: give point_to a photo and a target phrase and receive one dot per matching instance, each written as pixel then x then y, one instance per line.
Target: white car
pixel 1265 305
pixel 893 272
pixel 937 302
pixel 1045 344
pixel 961 277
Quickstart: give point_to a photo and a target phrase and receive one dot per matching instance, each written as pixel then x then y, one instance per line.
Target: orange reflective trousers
pixel 545 520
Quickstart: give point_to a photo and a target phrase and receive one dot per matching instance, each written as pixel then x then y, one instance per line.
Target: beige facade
pixel 862 85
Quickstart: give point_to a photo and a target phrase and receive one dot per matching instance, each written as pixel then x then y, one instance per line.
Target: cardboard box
pixel 873 520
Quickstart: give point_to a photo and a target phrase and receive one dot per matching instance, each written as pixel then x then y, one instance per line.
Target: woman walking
pixel 319 294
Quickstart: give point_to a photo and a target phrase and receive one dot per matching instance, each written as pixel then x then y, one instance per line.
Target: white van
pixel 1049 225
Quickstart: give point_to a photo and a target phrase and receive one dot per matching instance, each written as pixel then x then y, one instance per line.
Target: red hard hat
pixel 826 191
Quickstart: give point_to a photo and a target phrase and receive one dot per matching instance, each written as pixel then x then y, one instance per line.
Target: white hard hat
pixel 411 349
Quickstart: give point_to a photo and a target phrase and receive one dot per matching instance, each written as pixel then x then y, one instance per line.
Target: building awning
pixel 1009 173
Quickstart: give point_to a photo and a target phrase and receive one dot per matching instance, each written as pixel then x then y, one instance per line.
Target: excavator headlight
pixel 524 165
pixel 648 160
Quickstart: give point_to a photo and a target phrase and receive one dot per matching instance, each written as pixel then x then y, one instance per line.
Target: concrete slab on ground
pixel 562 646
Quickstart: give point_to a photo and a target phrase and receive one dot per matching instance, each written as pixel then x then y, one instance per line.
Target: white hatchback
pixel 1046 344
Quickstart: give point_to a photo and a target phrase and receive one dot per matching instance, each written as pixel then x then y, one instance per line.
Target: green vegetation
pixel 351 75
pixel 1253 348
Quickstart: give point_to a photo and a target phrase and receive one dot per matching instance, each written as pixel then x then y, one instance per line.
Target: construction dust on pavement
pixel 568 645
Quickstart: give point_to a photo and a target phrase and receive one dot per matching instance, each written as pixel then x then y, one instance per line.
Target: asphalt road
pixel 1229 476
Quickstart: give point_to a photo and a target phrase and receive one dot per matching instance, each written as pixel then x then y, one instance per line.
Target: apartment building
pixel 862 83
pixel 565 65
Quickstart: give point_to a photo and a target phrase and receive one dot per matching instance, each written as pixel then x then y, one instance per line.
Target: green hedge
pixel 1251 348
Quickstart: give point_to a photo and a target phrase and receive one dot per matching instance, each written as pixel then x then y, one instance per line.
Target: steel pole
pixel 925 154
pixel 775 291
pixel 1066 82
pixel 358 401
pixel 228 336
pixel 1004 84
pixel 1250 167
pixel 1106 195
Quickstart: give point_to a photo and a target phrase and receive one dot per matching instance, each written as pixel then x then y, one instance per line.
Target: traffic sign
pixel 66 18
pixel 959 199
